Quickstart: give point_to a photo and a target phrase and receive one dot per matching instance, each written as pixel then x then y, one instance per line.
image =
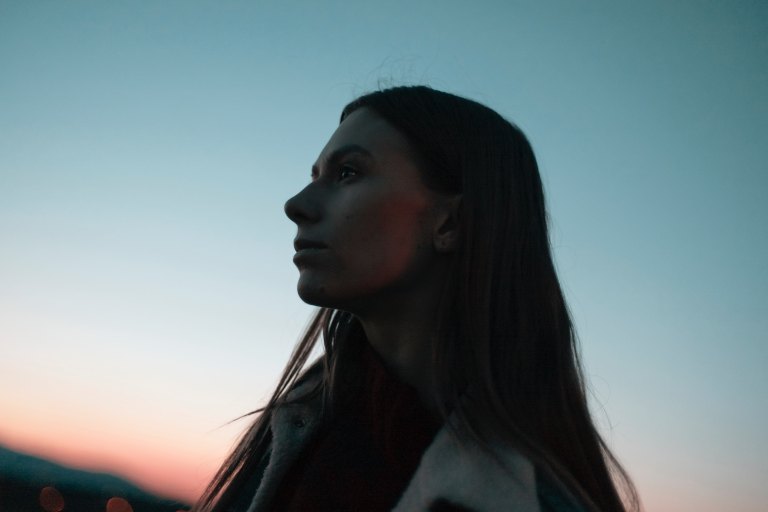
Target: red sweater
pixel 365 456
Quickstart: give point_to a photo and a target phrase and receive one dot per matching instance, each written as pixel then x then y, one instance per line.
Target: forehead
pixel 366 129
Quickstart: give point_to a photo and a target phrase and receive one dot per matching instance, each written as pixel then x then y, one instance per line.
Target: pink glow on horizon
pixel 169 455
pixel 170 471
pixel 176 478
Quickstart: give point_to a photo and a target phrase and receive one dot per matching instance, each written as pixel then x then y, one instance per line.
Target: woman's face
pixel 365 220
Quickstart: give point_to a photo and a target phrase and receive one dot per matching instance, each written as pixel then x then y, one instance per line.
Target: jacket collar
pixel 460 473
pixel 463 474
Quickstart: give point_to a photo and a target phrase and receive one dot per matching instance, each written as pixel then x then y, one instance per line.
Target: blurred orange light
pixel 51 499
pixel 116 504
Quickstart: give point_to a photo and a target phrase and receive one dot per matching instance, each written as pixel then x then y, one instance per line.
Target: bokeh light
pixel 116 504
pixel 51 499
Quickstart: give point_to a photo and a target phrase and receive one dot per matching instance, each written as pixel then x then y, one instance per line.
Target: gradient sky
pixel 147 293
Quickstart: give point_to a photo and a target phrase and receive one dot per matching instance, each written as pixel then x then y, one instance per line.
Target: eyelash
pixel 344 168
pixel 341 170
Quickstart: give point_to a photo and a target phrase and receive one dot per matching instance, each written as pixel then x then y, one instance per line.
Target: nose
pixel 302 208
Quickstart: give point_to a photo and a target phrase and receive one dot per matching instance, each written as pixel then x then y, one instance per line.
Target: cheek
pixel 380 242
pixel 384 243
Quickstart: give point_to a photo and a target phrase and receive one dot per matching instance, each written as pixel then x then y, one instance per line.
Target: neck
pixel 401 333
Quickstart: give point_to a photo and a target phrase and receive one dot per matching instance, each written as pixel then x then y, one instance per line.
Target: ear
pixel 446 235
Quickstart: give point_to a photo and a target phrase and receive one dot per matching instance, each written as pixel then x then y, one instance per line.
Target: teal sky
pixel 147 293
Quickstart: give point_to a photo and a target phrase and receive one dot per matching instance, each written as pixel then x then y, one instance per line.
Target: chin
pixel 313 298
pixel 316 293
pixel 313 293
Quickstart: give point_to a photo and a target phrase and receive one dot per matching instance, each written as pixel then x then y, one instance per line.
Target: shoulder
pixel 291 425
pixel 454 476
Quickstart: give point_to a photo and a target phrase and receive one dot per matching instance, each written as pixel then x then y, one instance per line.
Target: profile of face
pixel 366 223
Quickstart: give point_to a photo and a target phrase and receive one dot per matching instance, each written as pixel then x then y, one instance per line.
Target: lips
pixel 301 244
pixel 307 251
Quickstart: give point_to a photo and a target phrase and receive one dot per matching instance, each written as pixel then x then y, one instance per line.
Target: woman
pixel 450 379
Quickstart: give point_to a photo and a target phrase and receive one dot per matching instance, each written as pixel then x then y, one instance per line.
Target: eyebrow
pixel 340 152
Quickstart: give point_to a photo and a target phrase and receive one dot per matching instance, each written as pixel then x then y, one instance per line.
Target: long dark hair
pixel 505 341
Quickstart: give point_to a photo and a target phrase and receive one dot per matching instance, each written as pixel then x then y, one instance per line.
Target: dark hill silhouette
pixel 22 478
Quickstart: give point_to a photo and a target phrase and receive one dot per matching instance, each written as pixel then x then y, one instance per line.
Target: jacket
pixel 451 477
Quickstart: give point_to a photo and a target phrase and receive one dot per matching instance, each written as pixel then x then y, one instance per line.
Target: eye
pixel 345 171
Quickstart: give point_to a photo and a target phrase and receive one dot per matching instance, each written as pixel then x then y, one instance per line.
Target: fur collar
pixel 459 475
pixel 468 477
